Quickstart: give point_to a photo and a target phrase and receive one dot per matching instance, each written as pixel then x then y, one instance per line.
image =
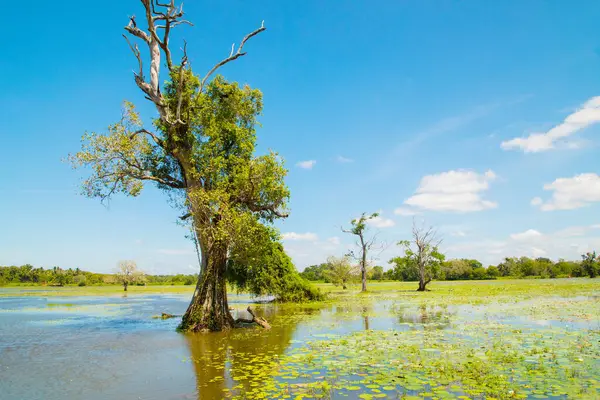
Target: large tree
pixel 200 151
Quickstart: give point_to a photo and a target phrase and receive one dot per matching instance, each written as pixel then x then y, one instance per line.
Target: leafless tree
pixel 127 273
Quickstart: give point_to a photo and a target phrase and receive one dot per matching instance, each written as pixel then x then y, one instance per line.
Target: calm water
pixel 111 347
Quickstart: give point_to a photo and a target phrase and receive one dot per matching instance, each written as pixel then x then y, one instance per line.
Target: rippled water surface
pixel 385 345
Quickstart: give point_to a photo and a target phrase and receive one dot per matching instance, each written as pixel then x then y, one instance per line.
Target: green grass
pixel 107 290
pixel 453 291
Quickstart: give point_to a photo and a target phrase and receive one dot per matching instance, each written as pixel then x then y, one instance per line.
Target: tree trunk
pixel 125 286
pixel 364 265
pixel 422 285
pixel 208 310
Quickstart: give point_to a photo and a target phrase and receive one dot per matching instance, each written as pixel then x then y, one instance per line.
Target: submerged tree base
pixel 230 323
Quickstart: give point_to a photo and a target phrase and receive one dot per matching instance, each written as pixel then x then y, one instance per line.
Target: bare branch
pixel 135 31
pixel 156 139
pixel 232 56
pixel 257 320
pixel 136 52
pixel 184 60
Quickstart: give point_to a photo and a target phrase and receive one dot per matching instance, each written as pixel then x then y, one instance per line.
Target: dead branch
pixel 232 56
pixel 255 320
pixel 184 60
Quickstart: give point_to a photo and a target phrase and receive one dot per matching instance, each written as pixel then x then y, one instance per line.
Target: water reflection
pixel 224 362
pixel 365 315
pixel 429 316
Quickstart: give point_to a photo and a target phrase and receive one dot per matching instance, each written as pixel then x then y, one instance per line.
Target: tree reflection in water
pixel 242 359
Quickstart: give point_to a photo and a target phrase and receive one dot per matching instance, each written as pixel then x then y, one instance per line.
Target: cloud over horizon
pixel 570 193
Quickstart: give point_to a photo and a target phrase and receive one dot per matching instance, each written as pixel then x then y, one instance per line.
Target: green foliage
pixel 208 167
pixel 56 276
pixel 493 272
pixel 316 272
pixel 457 270
pixel 430 258
pixel 404 269
pixel 479 273
pixel 341 271
pixel 359 225
pixel 259 265
pixel 527 267
pixel 591 264
pixel 376 273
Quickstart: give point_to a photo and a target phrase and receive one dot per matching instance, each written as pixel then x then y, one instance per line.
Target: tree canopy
pixel 201 151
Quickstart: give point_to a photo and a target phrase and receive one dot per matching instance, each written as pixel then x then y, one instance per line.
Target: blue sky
pixel 478 117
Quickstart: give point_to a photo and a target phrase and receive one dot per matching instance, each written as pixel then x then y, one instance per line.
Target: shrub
pixel 479 273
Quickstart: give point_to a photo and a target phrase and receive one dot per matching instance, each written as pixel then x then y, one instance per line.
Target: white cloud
pixel 334 240
pixel 570 193
pixel 454 191
pixel 342 159
pixel 574 231
pixel 381 222
pixel 587 115
pixel 537 252
pixel 527 235
pixel 405 211
pixel 536 201
pixel 459 233
pixel 308 236
pixel 308 164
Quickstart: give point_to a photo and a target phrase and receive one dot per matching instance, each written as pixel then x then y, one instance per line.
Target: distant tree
pixel 457 269
pixel 80 279
pixel 127 273
pixel 479 273
pixel 509 267
pixel 404 269
pixel 315 272
pixel 474 264
pixel 359 229
pixel 341 271
pixel 377 273
pixel 493 272
pixel 423 251
pixel 591 264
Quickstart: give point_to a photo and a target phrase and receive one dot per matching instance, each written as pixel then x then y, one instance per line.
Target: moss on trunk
pixel 208 310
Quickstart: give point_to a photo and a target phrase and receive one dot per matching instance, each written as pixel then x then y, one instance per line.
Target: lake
pixel 500 339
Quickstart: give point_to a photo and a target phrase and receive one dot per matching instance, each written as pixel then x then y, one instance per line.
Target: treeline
pixel 405 269
pixel 29 275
